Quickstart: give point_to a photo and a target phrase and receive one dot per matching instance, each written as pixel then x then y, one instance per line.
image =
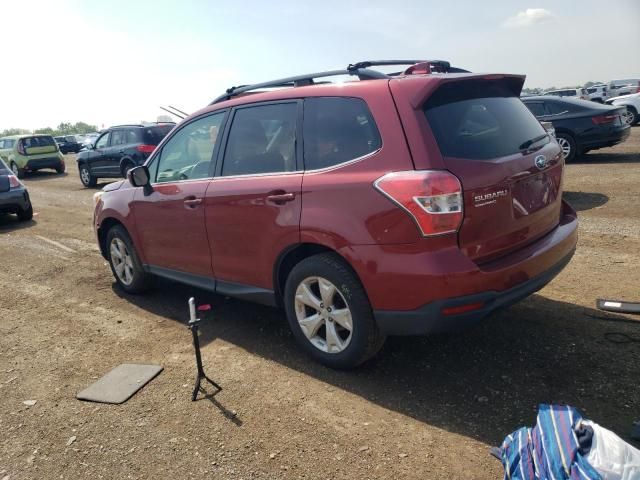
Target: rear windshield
pixel 481 120
pixel 29 142
pixel 153 135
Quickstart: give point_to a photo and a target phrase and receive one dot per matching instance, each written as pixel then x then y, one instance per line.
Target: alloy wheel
pixel 565 146
pixel 15 169
pixel 323 315
pixel 84 175
pixel 121 261
pixel 628 117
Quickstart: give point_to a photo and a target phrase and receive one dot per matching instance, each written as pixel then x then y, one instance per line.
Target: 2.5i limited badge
pixel 489 198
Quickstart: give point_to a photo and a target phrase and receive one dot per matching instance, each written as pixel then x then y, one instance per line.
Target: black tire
pixel 125 167
pixel 18 172
pixel 61 169
pixel 365 340
pixel 141 280
pixel 86 178
pixel 573 148
pixel 26 215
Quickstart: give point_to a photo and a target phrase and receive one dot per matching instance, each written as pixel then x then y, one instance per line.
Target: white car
pixel 579 93
pixel 598 93
pixel 628 86
pixel 632 102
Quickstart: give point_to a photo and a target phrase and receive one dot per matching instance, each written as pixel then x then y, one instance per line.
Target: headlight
pixel 96 197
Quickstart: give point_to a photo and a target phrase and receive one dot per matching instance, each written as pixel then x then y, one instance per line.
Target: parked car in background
pixel 597 93
pixel 68 144
pixel 118 149
pixel 394 205
pixel 14 198
pixel 623 87
pixel 28 153
pixel 580 126
pixel 579 93
pixel 632 102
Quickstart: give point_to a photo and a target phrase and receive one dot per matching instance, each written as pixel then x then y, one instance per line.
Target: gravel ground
pixel 424 408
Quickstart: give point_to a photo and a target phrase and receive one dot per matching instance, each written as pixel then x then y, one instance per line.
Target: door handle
pixel 281 198
pixel 192 202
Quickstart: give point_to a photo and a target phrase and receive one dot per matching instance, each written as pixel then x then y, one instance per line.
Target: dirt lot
pixel 424 408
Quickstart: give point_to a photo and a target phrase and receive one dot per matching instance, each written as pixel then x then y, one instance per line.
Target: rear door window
pixel 479 122
pixel 337 130
pixel 30 142
pixel 262 139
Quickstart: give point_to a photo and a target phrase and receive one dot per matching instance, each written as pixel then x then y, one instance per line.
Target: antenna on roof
pixel 179 111
pixel 179 115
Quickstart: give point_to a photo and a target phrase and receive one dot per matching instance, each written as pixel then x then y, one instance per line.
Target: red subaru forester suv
pixel 399 204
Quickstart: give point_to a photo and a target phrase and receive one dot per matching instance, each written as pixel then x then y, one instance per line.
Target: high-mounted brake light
pixel 146 148
pixel 433 198
pixel 603 119
pixel 14 182
pixel 20 147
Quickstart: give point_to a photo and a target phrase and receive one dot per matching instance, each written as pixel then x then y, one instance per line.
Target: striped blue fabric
pixel 548 451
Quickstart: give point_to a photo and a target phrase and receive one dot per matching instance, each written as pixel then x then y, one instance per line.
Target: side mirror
pixel 139 176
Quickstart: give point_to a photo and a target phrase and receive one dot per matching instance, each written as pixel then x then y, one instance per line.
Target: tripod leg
pixel 196 388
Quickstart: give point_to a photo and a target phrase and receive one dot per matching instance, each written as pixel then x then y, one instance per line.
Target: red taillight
pixel 433 198
pixel 20 148
pixel 146 148
pixel 604 119
pixel 14 182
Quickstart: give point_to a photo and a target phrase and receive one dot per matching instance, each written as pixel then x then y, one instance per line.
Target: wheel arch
pixel 292 256
pixel 106 225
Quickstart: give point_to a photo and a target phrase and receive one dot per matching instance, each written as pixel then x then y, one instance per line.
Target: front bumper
pixel 14 201
pixel 409 285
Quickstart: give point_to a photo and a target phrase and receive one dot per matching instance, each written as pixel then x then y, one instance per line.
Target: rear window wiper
pixel 526 145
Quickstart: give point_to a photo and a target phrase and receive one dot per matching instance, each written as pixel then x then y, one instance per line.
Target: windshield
pixel 481 123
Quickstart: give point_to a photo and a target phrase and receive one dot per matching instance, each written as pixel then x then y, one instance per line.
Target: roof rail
pixel 299 81
pixel 359 69
pixel 416 66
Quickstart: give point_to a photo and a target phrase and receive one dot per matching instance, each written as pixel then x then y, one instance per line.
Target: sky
pixel 118 61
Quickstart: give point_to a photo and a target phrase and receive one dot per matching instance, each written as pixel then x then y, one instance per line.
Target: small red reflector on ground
pixel 462 308
pixel 204 308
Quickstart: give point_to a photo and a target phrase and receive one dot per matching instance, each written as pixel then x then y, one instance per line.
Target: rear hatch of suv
pixel 36 146
pixel 509 167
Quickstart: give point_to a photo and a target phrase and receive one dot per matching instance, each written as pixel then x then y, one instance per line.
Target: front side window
pixel 262 139
pixel 103 141
pixel 188 154
pixel 336 130
pixel 118 137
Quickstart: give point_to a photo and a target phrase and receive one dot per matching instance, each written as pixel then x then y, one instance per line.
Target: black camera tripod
pixel 193 326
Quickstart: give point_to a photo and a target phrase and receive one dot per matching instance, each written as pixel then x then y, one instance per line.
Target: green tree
pixel 13 131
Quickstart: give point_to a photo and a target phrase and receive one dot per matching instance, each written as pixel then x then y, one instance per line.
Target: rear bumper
pixel 48 162
pixel 14 201
pixel 409 286
pixel 613 138
pixel 431 319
